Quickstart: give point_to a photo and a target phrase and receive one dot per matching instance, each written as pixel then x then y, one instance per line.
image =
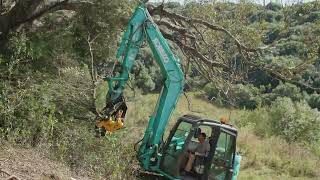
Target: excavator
pixel 168 158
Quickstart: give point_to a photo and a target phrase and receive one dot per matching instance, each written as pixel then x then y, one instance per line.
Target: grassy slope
pixel 269 158
pixel 113 157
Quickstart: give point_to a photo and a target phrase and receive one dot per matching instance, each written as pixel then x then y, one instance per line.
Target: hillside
pixel 263 158
pixel 258 65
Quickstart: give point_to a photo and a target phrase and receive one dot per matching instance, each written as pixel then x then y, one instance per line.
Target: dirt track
pixel 17 163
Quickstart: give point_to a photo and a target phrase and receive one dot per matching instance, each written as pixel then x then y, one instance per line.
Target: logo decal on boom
pixel 160 49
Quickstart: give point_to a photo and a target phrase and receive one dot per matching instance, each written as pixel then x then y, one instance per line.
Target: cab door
pixel 223 157
pixel 174 148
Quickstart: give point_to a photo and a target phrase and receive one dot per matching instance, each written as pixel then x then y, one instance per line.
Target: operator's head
pixel 202 137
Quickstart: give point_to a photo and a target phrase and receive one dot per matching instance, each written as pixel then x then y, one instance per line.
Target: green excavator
pixel 169 158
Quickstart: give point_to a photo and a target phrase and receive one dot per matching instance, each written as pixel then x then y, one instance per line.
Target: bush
pixel 266 15
pixel 295 48
pixel 32 111
pixel 283 90
pixel 242 96
pixel 146 74
pixel 76 145
pixel 314 101
pixel 28 115
pixel 274 6
pixel 294 121
pixel 288 90
pixel 246 96
pixel 272 34
pixel 314 16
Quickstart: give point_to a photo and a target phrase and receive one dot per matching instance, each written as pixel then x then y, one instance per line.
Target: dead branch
pixel 93 74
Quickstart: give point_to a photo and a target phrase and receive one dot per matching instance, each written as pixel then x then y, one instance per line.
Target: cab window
pixel 223 156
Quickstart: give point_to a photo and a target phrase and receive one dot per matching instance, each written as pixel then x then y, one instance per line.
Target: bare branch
pixel 210 62
pixel 93 74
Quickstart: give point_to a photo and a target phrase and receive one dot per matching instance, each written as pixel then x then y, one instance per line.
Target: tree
pixel 209 40
pixel 216 51
pixel 15 14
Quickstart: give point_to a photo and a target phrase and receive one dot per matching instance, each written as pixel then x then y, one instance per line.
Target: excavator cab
pixel 220 163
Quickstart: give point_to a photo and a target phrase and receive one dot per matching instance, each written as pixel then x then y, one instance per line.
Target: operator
pixel 201 150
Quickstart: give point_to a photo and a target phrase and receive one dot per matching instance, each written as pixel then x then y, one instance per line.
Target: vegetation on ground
pixel 51 86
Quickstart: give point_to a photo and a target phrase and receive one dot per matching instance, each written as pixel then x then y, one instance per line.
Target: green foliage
pixel 295 48
pixel 272 34
pixel 146 73
pixel 17 55
pixel 314 101
pixel 28 116
pixel 241 96
pixel 294 121
pixel 274 6
pixel 76 145
pixel 246 96
pixel 314 16
pixel 267 15
pixel 282 90
pixel 250 97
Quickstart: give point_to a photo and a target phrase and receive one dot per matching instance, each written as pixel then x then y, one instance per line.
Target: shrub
pixel 76 145
pixel 28 115
pixel 266 15
pixel 257 119
pixel 295 48
pixel 272 34
pixel 314 16
pixel 282 90
pixel 246 96
pixel 294 121
pixel 306 124
pixel 288 90
pixel 314 101
pixel 242 96
pixel 146 74
pixel 274 6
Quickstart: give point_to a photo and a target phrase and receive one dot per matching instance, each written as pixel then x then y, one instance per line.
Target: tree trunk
pixel 26 11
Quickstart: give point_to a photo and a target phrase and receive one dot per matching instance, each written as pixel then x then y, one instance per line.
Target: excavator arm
pixel 141 27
